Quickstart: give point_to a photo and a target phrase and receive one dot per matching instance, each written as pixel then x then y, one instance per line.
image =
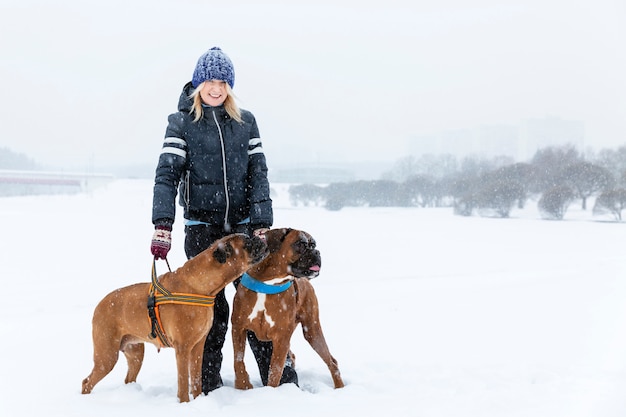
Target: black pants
pixel 197 239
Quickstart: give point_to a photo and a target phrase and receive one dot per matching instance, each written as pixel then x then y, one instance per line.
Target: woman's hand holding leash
pixel 161 242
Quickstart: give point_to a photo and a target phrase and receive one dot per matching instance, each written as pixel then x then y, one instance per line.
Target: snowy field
pixel 428 314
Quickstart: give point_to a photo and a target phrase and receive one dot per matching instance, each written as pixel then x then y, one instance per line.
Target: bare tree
pixel 549 164
pixel 554 203
pixel 436 166
pixel 498 197
pixel 586 179
pixel 611 201
pixel 13 160
pixel 517 178
pixel 614 161
pixel 421 190
pixel 338 196
pixel 306 194
pixel 402 169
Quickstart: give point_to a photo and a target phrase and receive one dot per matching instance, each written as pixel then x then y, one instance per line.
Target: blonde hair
pixel 229 104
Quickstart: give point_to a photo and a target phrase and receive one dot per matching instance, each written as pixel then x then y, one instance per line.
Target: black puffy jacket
pixel 217 164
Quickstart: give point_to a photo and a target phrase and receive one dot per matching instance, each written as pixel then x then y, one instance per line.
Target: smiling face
pixel 213 93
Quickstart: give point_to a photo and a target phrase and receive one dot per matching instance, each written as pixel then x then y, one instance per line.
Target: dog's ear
pixel 275 238
pixel 223 252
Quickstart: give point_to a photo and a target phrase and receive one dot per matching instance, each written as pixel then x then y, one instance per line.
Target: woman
pixel 213 156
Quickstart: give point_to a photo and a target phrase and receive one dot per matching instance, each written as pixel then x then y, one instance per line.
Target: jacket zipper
pixel 219 130
pixel 187 189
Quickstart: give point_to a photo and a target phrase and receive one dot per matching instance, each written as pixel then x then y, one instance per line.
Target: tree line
pixel 555 176
pixel 16 161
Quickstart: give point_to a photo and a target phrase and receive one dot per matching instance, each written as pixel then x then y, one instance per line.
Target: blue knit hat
pixel 214 65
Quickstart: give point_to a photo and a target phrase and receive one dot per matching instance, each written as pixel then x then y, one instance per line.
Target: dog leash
pixel 158 295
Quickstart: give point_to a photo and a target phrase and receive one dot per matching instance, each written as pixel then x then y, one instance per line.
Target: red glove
pixel 161 242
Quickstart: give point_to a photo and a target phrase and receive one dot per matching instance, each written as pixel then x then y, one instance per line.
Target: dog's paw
pixel 243 385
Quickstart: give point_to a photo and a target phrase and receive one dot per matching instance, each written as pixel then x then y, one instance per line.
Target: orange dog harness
pixel 160 295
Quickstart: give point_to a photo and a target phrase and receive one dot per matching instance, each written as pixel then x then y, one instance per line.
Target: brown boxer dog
pixel 121 321
pixel 273 298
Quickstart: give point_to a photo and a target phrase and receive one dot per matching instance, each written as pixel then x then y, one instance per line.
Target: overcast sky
pixel 87 84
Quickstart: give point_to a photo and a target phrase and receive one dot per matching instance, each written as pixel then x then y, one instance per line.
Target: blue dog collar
pixel 257 286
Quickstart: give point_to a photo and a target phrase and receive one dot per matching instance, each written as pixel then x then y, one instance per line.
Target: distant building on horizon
pixel 310 175
pixel 23 182
pixel 327 173
pixel 536 134
pixel 519 142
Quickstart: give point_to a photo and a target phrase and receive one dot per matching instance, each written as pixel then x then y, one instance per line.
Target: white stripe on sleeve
pixel 175 141
pixel 175 151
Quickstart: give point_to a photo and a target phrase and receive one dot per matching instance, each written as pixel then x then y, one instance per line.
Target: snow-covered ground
pixel 428 314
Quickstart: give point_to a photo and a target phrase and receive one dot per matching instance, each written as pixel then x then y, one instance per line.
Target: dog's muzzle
pixel 308 265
